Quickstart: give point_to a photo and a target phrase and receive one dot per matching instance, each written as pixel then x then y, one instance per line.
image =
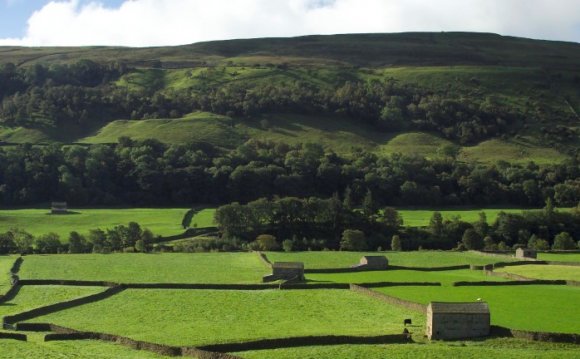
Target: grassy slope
pixel 70 349
pixel 161 221
pixel 559 257
pixel 204 317
pixel 30 297
pixel 530 307
pixel 545 271
pixel 148 268
pixel 444 277
pixel 491 348
pixel 407 259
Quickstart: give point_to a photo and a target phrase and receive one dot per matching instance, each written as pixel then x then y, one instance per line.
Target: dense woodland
pixel 83 94
pixel 151 173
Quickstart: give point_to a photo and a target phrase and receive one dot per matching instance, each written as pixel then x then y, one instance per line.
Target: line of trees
pixel 121 238
pixel 316 224
pixel 151 173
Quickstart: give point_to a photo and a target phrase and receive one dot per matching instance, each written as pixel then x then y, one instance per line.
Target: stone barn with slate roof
pixel 526 253
pixel 58 208
pixel 372 262
pixel 447 321
pixel 286 271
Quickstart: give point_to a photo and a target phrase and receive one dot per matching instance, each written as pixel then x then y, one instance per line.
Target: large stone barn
pixel 58 208
pixel 526 253
pixel 286 271
pixel 457 320
pixel 372 262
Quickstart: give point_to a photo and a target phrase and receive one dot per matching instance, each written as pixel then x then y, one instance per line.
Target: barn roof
pixel 449 307
pixel 288 265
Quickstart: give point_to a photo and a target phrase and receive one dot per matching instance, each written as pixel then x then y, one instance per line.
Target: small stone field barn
pixel 526 253
pixel 58 208
pixel 293 271
pixel 446 321
pixel 372 262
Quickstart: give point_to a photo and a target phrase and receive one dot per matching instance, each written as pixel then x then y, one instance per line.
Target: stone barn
pixel 447 321
pixel 372 262
pixel 526 253
pixel 286 271
pixel 58 208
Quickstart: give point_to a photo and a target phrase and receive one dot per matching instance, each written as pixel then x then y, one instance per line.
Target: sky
pixel 177 22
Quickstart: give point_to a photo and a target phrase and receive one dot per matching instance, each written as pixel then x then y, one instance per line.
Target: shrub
pixel 471 239
pixel 267 242
pixel 396 243
pixel 288 245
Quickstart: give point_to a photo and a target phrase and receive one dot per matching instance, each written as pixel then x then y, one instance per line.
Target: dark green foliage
pixel 564 241
pixel 7 244
pixel 48 244
pixel 353 240
pixel 472 240
pixel 77 243
pixel 396 243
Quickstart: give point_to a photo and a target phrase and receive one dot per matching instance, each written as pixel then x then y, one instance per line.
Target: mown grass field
pixel 545 271
pixel 161 221
pixel 88 349
pixel 491 348
pixel 428 259
pixel 545 308
pixel 30 297
pixel 147 268
pixel 182 317
pixel 559 257
pixel 446 278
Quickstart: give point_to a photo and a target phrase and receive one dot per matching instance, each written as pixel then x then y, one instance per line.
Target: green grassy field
pixel 147 268
pixel 559 257
pixel 161 221
pixel 530 307
pixel 30 297
pixel 5 265
pixel 429 259
pixel 491 348
pixel 69 349
pixel 443 277
pixel 545 271
pixel 181 317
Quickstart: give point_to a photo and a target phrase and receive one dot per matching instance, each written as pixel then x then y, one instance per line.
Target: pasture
pixel 86 349
pixel 147 268
pixel 548 308
pixel 185 317
pixel 161 221
pixel 545 271
pixel 491 348
pixel 30 297
pixel 5 265
pixel 559 257
pixel 427 259
pixel 446 278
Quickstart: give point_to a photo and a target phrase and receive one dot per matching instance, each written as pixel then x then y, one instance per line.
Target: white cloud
pixel 174 22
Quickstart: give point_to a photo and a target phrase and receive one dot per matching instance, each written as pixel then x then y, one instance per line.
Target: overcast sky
pixel 176 22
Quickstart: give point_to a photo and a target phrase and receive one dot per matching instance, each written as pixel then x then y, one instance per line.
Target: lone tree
pixel 436 225
pixel 353 240
pixel 396 243
pixel 563 241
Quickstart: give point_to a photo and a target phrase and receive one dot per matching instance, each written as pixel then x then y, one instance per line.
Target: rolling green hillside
pixel 496 97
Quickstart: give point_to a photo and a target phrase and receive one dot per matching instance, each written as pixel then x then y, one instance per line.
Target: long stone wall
pixel 14 336
pixel 535 336
pixel 506 283
pixel 417 307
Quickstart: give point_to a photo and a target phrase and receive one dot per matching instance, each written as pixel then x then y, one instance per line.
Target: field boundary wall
pixel 14 336
pixel 535 336
pixel 508 283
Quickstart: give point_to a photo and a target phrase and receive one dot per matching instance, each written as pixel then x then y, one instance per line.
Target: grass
pixel 181 317
pixel 70 349
pixel 408 259
pixel 161 221
pixel 444 277
pixel 23 135
pixel 559 257
pixel 511 151
pixel 30 297
pixel 491 348
pixel 496 348
pixel 531 307
pixel 545 271
pixel 421 218
pixel 5 266
pixel 147 268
